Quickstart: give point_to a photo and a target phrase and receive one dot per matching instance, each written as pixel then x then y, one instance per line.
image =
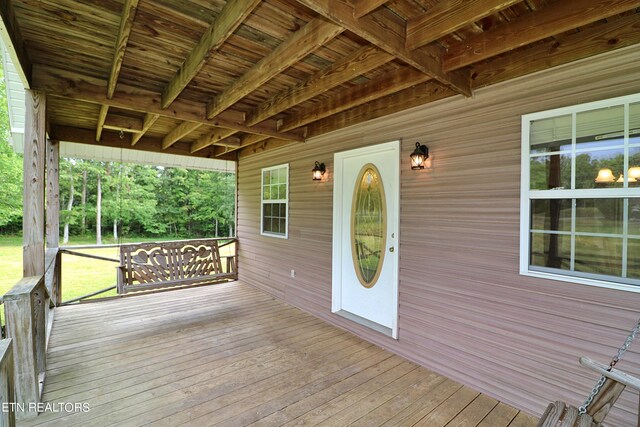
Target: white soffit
pixel 111 154
pixel 15 99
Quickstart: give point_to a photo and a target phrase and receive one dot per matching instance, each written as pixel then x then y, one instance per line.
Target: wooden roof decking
pixel 213 78
pixel 232 355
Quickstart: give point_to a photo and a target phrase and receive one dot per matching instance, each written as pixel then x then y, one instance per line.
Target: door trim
pixel 336 275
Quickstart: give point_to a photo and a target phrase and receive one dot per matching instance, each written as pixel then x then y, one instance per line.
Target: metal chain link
pixel 614 361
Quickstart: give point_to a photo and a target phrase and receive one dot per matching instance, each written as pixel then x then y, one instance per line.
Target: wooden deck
pixel 232 355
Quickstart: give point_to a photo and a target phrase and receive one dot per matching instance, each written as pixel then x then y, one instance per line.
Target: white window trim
pixel 285 201
pixel 526 194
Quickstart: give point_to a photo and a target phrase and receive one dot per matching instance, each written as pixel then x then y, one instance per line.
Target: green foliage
pixel 10 168
pixel 149 200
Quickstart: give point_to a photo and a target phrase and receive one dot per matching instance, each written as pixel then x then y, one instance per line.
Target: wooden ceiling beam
pixel 231 16
pixel 359 62
pixel 399 101
pixel 126 23
pixel 112 139
pixel 68 84
pixel 12 38
pixel 211 138
pixel 102 116
pixel 386 30
pixel 358 95
pixel 363 7
pixel 179 132
pixel 147 122
pixel 616 34
pixel 316 33
pixel 548 21
pixel 123 123
pixel 448 16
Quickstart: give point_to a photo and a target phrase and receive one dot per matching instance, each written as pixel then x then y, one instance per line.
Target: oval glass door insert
pixel 368 225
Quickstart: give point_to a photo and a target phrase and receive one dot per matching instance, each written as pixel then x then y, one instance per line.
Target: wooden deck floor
pixel 232 355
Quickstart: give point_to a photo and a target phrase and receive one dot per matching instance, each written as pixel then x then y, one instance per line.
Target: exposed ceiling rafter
pixel 548 21
pixel 231 16
pixel 448 16
pixel 386 30
pixel 359 62
pixel 304 41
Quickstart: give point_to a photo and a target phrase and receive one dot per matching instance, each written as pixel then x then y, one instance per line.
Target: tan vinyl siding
pixel 464 310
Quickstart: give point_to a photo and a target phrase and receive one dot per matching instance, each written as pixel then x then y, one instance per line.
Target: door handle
pixel 392 249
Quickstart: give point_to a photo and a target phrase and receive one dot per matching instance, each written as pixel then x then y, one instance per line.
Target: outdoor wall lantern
pixel 318 171
pixel 418 157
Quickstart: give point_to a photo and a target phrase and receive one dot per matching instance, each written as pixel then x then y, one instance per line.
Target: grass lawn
pixel 80 276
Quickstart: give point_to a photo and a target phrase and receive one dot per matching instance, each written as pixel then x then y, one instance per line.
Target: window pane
pixel 551 215
pixel 552 134
pixel 282 191
pixel 282 175
pixel 634 217
pixel 283 226
pixel 266 192
pixel 634 123
pixel 551 250
pixel 599 215
pixel 265 177
pixel 634 167
pixel 600 128
pixel 633 259
pixel 267 209
pixel 283 210
pixel 600 169
pixel 599 255
pixel 548 172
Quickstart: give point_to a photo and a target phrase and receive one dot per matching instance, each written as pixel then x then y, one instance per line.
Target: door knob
pixel 392 249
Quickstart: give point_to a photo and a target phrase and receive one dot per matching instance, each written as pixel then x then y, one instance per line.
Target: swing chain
pixel 614 361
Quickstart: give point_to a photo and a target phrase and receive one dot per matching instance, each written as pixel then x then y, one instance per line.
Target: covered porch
pixel 232 355
pixel 279 87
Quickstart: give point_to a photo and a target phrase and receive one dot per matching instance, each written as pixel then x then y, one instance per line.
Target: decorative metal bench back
pixel 154 265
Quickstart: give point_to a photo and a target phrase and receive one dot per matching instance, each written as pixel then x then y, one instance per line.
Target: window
pixel 275 201
pixel 580 194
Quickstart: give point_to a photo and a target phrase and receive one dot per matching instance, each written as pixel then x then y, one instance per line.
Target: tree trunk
pixel 115 230
pixel 65 238
pixel 99 213
pixel 83 203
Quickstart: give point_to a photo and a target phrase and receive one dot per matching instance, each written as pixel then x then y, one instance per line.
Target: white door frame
pixel 336 289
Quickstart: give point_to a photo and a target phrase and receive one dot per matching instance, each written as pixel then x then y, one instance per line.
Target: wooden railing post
pixel 7 397
pixel 26 322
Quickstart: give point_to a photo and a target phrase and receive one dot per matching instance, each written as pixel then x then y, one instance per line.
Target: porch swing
pixel 602 397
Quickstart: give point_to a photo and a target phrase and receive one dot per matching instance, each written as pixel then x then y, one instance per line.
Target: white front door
pixel 365 236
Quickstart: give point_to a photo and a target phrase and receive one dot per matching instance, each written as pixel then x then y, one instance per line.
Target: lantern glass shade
pixel 419 155
pixel 605 176
pixel 318 170
pixel 634 173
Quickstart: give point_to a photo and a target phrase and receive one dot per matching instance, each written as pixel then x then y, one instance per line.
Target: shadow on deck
pixel 232 355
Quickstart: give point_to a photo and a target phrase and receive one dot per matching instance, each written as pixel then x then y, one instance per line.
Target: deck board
pixel 231 355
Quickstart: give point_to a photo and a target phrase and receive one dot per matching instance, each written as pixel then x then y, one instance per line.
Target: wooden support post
pixel 53 194
pixel 34 182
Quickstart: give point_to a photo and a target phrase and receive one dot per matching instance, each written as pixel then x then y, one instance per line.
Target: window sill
pixel 582 281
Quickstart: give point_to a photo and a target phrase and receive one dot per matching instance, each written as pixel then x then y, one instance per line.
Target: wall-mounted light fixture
pixel 419 155
pixel 318 171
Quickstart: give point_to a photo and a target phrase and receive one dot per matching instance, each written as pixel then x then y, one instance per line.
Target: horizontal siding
pixel 465 311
